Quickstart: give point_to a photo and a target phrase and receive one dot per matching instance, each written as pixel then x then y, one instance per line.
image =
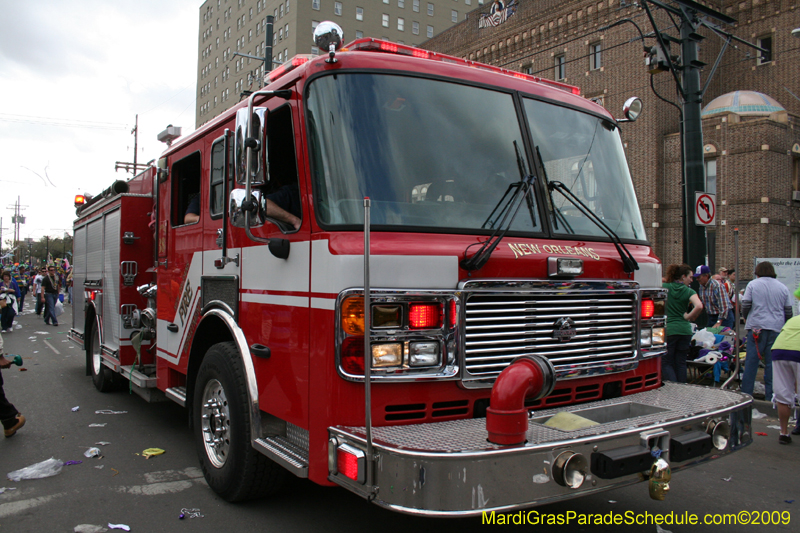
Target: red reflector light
pixel 424 316
pixel 347 464
pixel 353 355
pixel 452 321
pixel 648 309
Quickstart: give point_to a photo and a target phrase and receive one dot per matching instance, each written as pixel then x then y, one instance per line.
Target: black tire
pixel 102 376
pixel 221 420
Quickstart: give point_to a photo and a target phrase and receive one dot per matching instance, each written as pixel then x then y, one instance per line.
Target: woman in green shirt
pixel 679 318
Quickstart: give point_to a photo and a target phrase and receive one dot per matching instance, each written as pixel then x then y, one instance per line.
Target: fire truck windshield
pixel 584 153
pixel 434 155
pixel 429 154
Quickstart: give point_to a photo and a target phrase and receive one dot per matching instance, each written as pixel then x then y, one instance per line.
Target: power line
pixel 63 122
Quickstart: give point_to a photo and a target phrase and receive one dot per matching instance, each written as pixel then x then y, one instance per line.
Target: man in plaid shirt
pixel 714 297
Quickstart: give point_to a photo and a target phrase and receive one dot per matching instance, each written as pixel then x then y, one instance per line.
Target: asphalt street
pixel 148 495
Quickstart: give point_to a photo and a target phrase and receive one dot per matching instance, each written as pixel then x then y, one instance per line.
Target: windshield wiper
pixel 556 212
pixel 522 193
pixel 629 264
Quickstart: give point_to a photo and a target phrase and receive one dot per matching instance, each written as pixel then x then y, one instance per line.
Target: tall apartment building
pixel 230 26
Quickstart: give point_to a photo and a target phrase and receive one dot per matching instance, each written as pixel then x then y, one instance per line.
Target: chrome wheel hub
pixel 215 423
pixel 97 362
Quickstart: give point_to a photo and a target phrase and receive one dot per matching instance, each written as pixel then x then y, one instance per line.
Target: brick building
pixel 751 157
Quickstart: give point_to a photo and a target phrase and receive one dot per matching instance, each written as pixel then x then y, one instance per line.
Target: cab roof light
pixel 79 200
pixel 377 45
pixel 288 66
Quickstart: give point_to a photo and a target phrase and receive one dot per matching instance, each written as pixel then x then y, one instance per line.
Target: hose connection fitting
pixel 529 376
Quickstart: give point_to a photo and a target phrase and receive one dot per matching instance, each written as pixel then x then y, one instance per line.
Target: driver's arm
pixel 275 211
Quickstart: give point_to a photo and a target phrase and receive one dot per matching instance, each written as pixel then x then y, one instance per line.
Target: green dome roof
pixel 750 103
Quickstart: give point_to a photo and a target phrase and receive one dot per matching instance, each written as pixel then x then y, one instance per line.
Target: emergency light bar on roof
pixel 377 45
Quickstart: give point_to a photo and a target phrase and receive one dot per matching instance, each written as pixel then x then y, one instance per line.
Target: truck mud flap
pixel 450 469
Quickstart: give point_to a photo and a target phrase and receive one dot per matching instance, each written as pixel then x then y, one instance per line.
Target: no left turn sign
pixel 705 208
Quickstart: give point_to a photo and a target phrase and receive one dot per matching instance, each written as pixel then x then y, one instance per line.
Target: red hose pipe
pixel 507 417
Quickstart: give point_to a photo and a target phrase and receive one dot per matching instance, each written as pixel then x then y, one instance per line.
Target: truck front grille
pixel 501 327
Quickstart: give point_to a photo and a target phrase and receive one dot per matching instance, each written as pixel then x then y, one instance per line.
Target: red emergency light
pixel 648 309
pixel 377 45
pixel 424 316
pixel 79 200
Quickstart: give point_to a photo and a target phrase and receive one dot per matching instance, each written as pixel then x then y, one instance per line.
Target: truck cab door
pixel 180 240
pixel 221 265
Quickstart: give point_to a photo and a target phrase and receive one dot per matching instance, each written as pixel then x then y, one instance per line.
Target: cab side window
pixel 217 182
pixel 186 190
pixel 282 194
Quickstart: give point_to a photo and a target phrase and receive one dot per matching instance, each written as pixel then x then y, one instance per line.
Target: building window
pixel 764 42
pixel 401 3
pixel 286 31
pixel 280 8
pixel 796 173
pixel 599 100
pixel 453 15
pixel 595 56
pixel 359 13
pixel 415 6
pixel 527 69
pixel 711 176
pixel 401 24
pixel 359 34
pixel 287 6
pixel 561 67
pixel 415 28
pixel 385 20
pixel 430 9
pixel 337 8
pixel 315 4
pixel 429 32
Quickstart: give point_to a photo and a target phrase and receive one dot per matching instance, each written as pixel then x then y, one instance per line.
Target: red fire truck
pixel 508 353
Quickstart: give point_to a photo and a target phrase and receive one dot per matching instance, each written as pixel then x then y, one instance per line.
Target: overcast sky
pixel 73 76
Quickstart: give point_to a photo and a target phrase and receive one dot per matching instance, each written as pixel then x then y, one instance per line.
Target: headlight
pixel 386 355
pixel 645 337
pixel 423 353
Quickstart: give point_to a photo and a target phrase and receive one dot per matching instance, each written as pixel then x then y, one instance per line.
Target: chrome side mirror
pixel 632 109
pixel 238 204
pixel 251 134
pixel 328 36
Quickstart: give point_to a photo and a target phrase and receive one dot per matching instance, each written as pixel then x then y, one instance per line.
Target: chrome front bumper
pixel 450 469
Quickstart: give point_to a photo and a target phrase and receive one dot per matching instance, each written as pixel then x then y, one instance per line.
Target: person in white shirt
pixel 37 290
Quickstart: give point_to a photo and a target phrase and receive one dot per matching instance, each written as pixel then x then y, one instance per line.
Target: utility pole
pixel 16 220
pixel 267 59
pixel 1 240
pixel 686 72
pixel 134 167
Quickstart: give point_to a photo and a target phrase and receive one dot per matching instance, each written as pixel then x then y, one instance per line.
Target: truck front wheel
pixel 102 376
pixel 231 466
